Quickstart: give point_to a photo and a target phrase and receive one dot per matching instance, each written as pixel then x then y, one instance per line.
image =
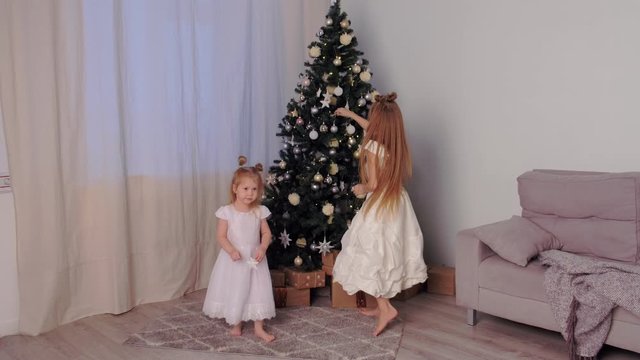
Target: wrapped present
pixel 410 292
pixel 441 280
pixel 340 299
pixel 277 278
pixel 329 259
pixel 304 279
pixel 290 296
pixel 327 270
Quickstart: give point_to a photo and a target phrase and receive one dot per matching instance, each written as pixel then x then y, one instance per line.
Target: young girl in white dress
pixel 240 284
pixel 382 249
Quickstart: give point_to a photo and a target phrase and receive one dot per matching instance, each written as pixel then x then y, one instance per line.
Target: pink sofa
pixel 596 214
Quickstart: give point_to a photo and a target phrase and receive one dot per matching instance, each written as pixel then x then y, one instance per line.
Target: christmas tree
pixel 309 188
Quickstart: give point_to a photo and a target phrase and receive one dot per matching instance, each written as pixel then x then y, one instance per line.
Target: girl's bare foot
pixel 384 318
pixel 236 330
pixel 369 312
pixel 262 334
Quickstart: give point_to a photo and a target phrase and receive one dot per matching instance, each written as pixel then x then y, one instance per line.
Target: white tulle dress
pixel 381 255
pixel 240 290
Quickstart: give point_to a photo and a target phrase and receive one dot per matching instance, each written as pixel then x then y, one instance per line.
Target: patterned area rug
pixel 301 332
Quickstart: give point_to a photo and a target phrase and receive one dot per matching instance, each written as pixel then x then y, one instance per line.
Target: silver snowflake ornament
pixel 284 239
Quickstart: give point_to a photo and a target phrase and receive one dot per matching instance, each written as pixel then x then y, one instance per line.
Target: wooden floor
pixel 434 329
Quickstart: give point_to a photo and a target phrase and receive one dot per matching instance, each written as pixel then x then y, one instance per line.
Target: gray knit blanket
pixel 583 291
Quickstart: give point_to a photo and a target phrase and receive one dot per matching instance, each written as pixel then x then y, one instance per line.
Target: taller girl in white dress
pixel 382 249
pixel 240 284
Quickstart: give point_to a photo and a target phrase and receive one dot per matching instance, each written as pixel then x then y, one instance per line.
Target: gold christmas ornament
pixel 318 177
pixel 297 261
pixel 345 23
pixel 301 242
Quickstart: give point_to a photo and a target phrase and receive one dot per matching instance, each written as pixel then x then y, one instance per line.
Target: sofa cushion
pixel 517 240
pixel 590 213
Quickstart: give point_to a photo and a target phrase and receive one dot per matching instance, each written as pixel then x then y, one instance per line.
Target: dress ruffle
pixel 382 256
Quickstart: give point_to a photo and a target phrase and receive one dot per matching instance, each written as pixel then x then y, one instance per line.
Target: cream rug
pixel 301 332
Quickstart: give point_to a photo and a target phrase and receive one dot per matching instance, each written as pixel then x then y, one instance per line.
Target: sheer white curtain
pixel 124 119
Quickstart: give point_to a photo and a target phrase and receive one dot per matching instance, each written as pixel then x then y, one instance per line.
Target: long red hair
pixel 392 160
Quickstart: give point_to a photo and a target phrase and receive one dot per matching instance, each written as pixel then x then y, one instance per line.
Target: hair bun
pixel 242 160
pixel 258 167
pixel 387 98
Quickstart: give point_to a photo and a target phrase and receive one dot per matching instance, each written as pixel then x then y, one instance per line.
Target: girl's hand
pixel 235 255
pixel 359 190
pixel 259 254
pixel 344 113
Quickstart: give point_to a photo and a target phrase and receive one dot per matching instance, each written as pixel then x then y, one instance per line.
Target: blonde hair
pixel 252 172
pixel 392 159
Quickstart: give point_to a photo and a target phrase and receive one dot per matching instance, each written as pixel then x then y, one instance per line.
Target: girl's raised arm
pixel 364 123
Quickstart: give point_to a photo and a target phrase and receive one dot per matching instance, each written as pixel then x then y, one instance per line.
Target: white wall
pixel 492 88
pixel 8 267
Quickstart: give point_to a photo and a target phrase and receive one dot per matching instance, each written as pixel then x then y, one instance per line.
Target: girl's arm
pixel 265 240
pixel 221 235
pixel 364 123
pixel 372 176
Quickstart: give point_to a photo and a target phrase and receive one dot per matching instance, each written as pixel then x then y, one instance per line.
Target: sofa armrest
pixel 470 252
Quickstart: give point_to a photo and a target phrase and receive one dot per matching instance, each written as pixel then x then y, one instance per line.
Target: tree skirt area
pixel 312 332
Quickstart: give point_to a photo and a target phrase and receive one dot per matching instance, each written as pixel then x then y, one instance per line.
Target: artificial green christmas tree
pixel 309 188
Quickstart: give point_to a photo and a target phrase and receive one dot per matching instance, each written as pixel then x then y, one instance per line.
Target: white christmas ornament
pixel 337 91
pixel 351 129
pixel 285 240
pixel 327 209
pixel 314 51
pixel 253 263
pixel 345 39
pixel 365 76
pixel 333 168
pixel 294 199
pixel 313 135
pixel 324 247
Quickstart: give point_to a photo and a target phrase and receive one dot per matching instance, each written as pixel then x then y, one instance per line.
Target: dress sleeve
pixel 223 213
pixel 264 212
pixel 373 146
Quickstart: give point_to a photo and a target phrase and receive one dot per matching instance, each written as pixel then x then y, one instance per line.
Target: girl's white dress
pixel 381 255
pixel 240 290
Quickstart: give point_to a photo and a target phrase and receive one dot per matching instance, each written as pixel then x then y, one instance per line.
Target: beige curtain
pixel 123 122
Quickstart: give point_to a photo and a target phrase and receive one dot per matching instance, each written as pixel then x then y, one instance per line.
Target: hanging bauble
pixel 328 179
pixel 335 190
pixel 299 121
pixel 318 177
pixel 333 168
pixel 314 51
pixel 337 91
pixel 287 176
pixel 306 82
pixel 362 102
pixel 368 97
pixel 337 61
pixel 287 127
pixel 283 164
pixel 359 61
pixel 351 141
pixel 356 154
pixel 365 76
pixel 323 159
pixel 332 152
pixel 323 128
pixel 314 110
pixel 296 150
pixel 297 261
pixel 286 215
pixel 351 129
pixel 301 98
pixel 345 23
pixel 334 128
pixel 313 135
pixel 285 146
pixel 301 242
pixel 320 33
pixel 356 69
pixel 315 187
pixel 345 39
pixel 325 77
pixel 329 21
